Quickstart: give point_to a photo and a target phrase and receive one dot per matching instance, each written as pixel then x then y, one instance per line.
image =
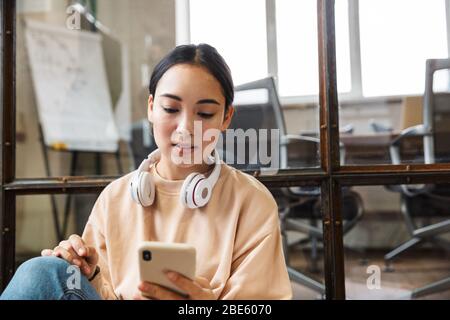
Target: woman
pixel 236 232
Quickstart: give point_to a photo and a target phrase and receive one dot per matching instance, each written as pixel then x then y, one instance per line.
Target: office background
pixel 381 53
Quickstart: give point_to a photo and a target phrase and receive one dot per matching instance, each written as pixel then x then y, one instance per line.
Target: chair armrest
pixel 394 151
pixel 289 139
pixel 418 130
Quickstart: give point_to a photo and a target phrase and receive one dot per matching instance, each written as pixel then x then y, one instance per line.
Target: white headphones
pixel 195 191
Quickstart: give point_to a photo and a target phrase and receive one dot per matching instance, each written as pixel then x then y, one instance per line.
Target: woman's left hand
pixel 198 289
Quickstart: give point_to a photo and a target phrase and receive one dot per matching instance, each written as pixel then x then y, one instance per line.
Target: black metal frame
pixel 331 176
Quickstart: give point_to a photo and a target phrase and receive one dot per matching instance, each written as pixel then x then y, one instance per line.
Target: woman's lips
pixel 184 147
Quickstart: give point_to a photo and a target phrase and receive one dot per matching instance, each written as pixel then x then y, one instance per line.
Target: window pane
pixel 297 47
pixel 35 221
pixel 301 213
pixel 227 26
pixel 376 267
pixel 87 90
pixel 396 39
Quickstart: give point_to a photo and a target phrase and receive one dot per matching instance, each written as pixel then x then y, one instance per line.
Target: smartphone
pixel 156 257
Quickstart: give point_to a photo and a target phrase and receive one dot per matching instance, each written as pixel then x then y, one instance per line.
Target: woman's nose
pixel 186 126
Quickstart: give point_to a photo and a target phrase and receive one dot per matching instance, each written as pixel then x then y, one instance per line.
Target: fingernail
pixel 81 251
pixel 146 286
pixel 77 262
pixel 171 275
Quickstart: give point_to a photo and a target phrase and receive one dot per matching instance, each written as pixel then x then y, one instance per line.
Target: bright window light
pixel 237 29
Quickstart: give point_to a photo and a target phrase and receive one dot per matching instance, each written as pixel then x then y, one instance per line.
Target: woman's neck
pixel 169 171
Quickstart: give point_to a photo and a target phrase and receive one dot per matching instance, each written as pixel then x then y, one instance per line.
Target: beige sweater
pixel 236 235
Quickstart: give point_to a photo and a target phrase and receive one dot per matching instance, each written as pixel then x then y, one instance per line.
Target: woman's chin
pixel 186 158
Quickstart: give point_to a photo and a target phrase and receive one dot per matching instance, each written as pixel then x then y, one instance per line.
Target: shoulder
pixel 117 189
pixel 249 189
pixel 257 216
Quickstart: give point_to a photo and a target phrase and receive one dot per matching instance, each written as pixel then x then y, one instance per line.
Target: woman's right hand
pixel 74 251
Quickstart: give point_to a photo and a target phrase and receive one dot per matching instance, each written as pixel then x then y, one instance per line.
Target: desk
pixel 368 148
pixel 374 148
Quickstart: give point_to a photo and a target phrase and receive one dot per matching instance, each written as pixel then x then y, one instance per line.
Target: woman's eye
pixel 205 115
pixel 170 110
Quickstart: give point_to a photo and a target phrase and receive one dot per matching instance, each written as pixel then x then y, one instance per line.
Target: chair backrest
pixel 257 107
pixel 436 115
pixel 142 141
pixel 441 127
pixel 432 112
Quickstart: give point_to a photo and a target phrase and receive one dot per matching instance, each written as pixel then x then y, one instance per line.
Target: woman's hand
pixel 74 251
pixel 198 289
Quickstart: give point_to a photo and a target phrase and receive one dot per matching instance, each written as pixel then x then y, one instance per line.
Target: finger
pixel 89 251
pixel 157 292
pixel 63 253
pixel 203 282
pixel 46 252
pixel 186 284
pixel 78 245
pixel 139 296
pixel 91 255
pixel 71 257
pixel 68 246
pixel 76 259
pixel 81 262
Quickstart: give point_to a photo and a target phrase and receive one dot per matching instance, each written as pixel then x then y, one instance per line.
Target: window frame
pixel 356 92
pixel 331 177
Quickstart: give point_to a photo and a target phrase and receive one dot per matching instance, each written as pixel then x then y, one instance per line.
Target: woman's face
pixel 188 105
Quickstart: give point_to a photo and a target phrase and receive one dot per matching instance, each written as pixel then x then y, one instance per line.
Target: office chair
pixel 142 141
pixel 429 200
pixel 257 107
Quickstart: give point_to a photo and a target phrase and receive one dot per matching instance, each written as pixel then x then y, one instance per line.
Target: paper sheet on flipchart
pixel 70 84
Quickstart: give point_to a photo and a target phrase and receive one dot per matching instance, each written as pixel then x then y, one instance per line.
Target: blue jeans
pixel 49 278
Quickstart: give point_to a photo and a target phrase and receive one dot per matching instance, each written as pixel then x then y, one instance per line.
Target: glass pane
pixel 401 116
pixel 298 51
pixel 301 226
pixel 246 59
pixel 302 220
pixel 36 227
pixel 376 266
pixel 84 89
pixel 396 39
pixel 264 135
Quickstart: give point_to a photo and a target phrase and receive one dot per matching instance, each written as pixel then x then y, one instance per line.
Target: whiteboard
pixel 71 88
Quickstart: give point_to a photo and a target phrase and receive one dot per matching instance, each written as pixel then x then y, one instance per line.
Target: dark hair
pixel 202 55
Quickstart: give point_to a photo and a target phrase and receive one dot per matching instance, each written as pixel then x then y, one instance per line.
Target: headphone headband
pixel 143 190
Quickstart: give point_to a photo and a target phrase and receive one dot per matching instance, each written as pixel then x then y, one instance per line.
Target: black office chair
pixel 426 200
pixel 142 141
pixel 257 107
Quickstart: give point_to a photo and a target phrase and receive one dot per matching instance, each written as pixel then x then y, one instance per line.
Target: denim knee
pixel 43 267
pixel 38 278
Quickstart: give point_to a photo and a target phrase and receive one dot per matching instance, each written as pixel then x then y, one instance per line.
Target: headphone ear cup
pixel 145 189
pixel 186 192
pixel 202 192
pixel 134 188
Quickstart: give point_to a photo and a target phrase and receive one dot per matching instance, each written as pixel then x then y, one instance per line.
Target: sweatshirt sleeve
pixel 93 236
pixel 258 270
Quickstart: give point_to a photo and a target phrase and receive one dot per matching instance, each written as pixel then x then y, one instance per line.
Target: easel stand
pixel 61 230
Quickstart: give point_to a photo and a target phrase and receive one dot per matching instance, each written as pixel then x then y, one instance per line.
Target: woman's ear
pixel 228 117
pixel 150 108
